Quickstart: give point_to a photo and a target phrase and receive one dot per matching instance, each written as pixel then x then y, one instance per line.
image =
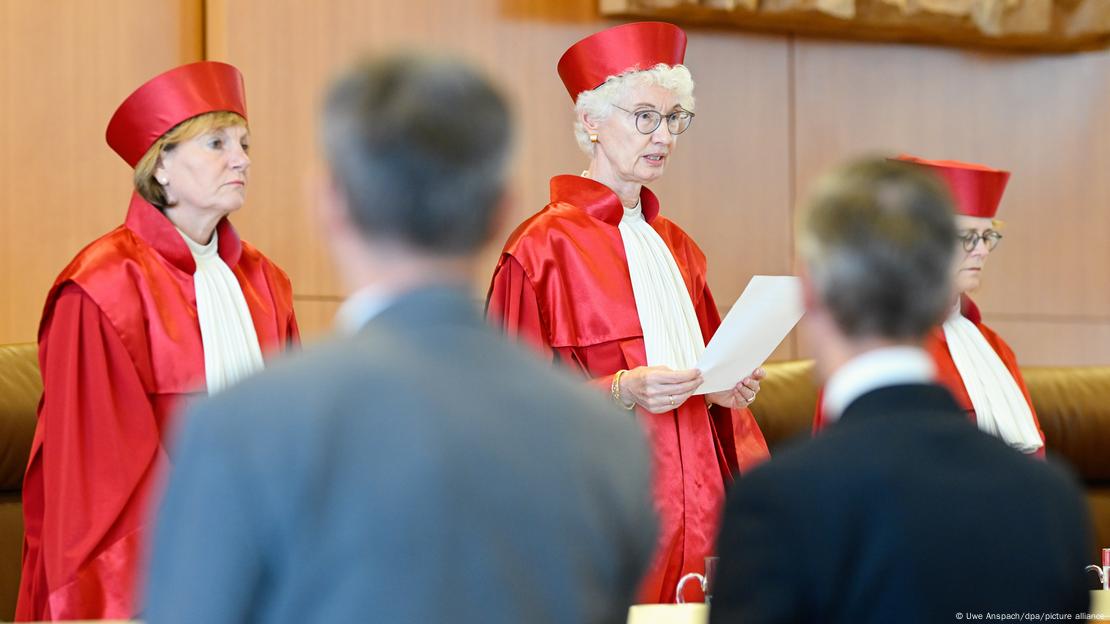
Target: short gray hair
pixel 419 146
pixel 878 240
pixel 598 103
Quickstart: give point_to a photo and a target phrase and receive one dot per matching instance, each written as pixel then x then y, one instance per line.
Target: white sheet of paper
pixel 766 311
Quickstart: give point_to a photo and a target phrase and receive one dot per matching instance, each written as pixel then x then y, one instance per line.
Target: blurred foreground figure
pixel 418 468
pixel 904 511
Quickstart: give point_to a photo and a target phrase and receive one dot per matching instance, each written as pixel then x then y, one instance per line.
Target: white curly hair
pixel 598 103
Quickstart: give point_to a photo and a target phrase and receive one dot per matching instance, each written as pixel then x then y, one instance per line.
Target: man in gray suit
pixel 417 468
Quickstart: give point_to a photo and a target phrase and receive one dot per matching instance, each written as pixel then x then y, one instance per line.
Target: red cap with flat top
pixel 169 99
pixel 976 189
pixel 613 51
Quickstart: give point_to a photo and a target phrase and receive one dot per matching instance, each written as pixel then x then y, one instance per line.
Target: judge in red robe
pixel 169 304
pixel 971 360
pixel 602 283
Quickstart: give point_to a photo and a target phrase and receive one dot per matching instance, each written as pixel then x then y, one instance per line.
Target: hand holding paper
pixel 766 311
pixel 739 396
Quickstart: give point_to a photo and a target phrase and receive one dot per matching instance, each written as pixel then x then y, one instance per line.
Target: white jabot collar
pixel 227 335
pixel 672 334
pixel 878 368
pixel 1000 407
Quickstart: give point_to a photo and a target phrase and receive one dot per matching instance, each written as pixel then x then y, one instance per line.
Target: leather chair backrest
pixel 20 389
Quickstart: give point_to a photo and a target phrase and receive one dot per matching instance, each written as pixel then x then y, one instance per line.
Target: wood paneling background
pixel 773 112
pixel 518 44
pixel 66 65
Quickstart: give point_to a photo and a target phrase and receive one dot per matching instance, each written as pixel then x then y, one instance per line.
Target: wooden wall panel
pixel 1055 341
pixel 728 186
pixel 773 112
pixel 1046 118
pixel 66 65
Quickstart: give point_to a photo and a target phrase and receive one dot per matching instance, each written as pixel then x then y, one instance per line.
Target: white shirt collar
pixel 199 251
pixel 956 309
pixel 878 368
pixel 634 213
pixel 360 308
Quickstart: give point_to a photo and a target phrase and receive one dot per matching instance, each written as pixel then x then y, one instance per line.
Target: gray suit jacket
pixel 421 471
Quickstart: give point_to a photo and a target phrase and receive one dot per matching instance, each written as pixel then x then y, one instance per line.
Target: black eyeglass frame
pixel 970 239
pixel 671 117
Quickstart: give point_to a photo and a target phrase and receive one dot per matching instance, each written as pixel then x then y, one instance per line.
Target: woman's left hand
pixel 742 395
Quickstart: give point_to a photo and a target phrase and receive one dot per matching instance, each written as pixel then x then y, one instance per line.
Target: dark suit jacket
pixel 422 471
pixel 901 512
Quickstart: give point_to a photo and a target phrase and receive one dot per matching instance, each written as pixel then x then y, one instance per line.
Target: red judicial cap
pixel 636 46
pixel 169 99
pixel 977 189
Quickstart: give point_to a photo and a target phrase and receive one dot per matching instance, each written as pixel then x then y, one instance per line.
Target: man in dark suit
pixel 903 511
pixel 418 468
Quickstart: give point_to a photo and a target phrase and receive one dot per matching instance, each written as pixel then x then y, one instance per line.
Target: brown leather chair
pixel 1072 403
pixel 20 388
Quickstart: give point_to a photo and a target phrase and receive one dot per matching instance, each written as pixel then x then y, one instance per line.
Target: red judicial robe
pixel 119 347
pixel 949 376
pixel 562 285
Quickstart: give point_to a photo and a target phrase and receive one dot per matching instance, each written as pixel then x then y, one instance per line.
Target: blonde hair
pixel 192 127
pixel 598 103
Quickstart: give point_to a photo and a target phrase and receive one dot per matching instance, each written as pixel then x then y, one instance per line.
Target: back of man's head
pixel 878 243
pixel 418 146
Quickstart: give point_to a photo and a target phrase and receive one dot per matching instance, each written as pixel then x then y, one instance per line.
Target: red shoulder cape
pixel 573 263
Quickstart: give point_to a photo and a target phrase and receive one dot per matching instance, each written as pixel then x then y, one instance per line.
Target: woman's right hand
pixel 659 389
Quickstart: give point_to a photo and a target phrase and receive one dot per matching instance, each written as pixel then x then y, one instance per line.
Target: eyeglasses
pixel 970 238
pixel 648 120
